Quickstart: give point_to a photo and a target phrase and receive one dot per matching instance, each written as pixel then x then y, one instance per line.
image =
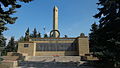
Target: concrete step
pixel 10 57
pixel 57 59
pixel 33 64
pixel 54 62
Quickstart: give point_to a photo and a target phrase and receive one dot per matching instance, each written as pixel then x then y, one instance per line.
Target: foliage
pixel 66 36
pixel 35 34
pixel 39 35
pixel 21 39
pixel 5 15
pixel 27 35
pixel 106 39
pixel 93 37
pixel 1 59
pixel 45 36
pixel 2 41
pixel 4 52
pixel 7 9
pixel 11 47
pixel 2 38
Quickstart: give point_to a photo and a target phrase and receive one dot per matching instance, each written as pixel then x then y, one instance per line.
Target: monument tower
pixel 55 45
pixel 55 22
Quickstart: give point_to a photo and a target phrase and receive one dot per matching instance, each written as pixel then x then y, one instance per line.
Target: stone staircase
pixel 53 62
pixel 33 64
pixel 52 58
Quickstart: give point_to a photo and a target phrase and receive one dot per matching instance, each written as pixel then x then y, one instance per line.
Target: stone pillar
pixel 83 46
pixel 55 21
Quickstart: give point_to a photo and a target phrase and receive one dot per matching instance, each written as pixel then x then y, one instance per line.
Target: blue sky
pixel 75 17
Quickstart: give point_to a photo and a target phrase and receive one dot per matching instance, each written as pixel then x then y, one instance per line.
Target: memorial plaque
pixel 56 47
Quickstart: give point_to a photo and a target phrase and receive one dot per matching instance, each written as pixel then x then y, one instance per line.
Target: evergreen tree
pixel 16 46
pixel 35 33
pixel 3 44
pixel 21 39
pixel 31 35
pixel 66 36
pixel 39 35
pixel 93 37
pixel 2 38
pixel 6 15
pixel 27 35
pixel 2 41
pixel 45 36
pixel 11 47
pixel 108 32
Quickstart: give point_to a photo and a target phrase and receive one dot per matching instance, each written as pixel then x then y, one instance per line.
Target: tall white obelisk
pixel 55 21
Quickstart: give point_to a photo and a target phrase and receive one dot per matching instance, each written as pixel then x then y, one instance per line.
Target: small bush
pixel 1 59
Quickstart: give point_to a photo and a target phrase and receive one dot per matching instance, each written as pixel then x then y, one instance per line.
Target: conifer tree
pixel 2 38
pixel 6 15
pixel 27 35
pixel 66 36
pixel 108 32
pixel 39 35
pixel 93 37
pixel 45 36
pixel 2 41
pixel 34 33
pixel 11 47
pixel 21 39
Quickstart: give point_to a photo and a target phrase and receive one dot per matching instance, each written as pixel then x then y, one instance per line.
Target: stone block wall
pixel 30 49
pixel 83 44
pixel 82 47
